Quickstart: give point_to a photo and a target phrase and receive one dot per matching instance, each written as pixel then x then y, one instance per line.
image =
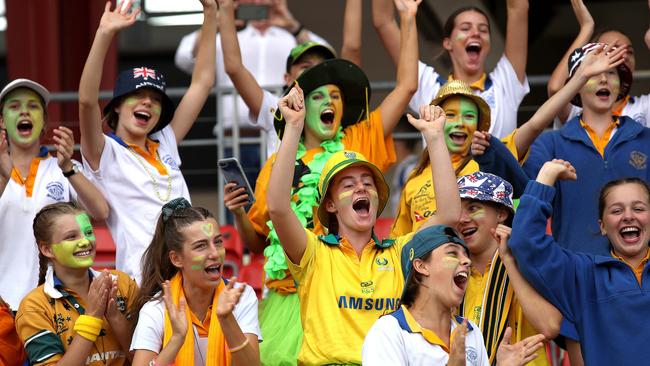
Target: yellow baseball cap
pixel 340 161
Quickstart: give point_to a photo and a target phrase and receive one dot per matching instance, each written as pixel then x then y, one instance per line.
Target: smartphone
pixel 232 172
pixel 252 12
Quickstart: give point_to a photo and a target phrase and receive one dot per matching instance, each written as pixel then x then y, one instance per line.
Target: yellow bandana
pixel 218 353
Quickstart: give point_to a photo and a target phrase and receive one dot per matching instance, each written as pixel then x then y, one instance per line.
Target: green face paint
pixel 208 229
pixel 23 105
pixel 198 262
pixel 325 98
pixel 86 227
pixel 450 262
pixel 64 252
pixel 461 123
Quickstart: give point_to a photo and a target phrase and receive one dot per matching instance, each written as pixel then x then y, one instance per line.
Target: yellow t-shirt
pixel 46 317
pixel 366 137
pixel 521 328
pixel 342 295
pixel 418 202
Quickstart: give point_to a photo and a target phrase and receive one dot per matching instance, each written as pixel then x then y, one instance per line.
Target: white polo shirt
pixel 149 331
pixel 503 93
pixel 130 191
pixel 396 339
pixel 18 251
pixel 637 108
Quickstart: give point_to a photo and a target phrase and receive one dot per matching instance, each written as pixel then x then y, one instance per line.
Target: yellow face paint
pixel 462 121
pixel 478 214
pixel 23 104
pixel 208 229
pixel 65 252
pixel 198 262
pixel 450 262
pixel 346 197
pixel 374 197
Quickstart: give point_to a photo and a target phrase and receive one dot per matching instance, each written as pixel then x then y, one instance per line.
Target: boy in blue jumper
pixel 603 295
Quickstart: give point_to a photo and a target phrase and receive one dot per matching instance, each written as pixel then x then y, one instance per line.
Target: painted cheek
pixel 198 262
pixel 345 198
pixel 156 109
pixel 131 101
pixel 64 253
pixel 591 86
pixel 616 87
pixel 374 197
pixel 450 262
pixel 477 215
pixel 461 36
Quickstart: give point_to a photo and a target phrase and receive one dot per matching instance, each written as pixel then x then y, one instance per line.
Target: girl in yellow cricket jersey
pixel 76 316
pixel 349 277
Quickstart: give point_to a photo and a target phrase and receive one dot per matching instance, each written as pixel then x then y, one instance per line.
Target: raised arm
pixel 383 19
pixel 395 103
pixel 560 74
pixel 90 116
pixel 245 83
pixel 516 48
pixel 281 16
pixel 89 196
pixel 203 76
pixel 595 63
pixel 5 161
pixel 552 271
pixel 543 316
pixel 431 125
pixel 352 24
pixel 289 229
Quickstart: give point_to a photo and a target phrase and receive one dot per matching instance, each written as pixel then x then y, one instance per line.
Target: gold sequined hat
pixel 459 87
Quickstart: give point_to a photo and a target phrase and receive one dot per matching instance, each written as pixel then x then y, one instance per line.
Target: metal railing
pixel 235 140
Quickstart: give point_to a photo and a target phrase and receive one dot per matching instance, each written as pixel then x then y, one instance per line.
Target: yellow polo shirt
pixel 418 202
pixel 46 317
pixel 342 294
pixel 521 328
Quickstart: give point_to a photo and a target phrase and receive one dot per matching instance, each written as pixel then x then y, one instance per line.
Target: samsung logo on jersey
pixel 359 303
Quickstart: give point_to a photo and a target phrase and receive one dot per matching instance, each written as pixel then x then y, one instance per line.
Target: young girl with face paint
pixel 467 123
pixel 605 296
pixel 486 210
pixel 353 193
pixel 636 107
pixel 137 166
pixel 188 313
pixel 423 331
pixel 31 178
pixel 467 42
pixel 76 315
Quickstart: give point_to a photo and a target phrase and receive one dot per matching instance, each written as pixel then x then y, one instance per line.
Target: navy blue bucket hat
pixel 130 80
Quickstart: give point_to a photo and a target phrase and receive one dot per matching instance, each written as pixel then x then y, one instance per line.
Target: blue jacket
pixel 599 294
pixel 498 160
pixel 575 211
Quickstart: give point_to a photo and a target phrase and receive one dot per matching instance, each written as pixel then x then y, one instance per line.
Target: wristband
pixel 239 348
pixel 300 29
pixel 88 327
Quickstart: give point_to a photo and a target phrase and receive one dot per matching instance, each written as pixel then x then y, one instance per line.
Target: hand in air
pixel 119 18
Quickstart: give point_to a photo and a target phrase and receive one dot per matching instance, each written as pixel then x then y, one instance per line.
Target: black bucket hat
pixel 352 81
pixel 133 79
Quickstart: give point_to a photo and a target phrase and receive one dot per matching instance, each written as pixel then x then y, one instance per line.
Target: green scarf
pixel 307 192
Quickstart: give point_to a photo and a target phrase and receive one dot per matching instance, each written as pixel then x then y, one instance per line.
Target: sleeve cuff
pixel 541 191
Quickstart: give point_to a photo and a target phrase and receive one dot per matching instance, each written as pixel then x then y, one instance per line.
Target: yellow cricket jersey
pixel 418 202
pixel 365 137
pixel 342 295
pixel 521 328
pixel 46 317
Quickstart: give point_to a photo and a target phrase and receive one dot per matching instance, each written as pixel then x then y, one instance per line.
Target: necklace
pixel 152 178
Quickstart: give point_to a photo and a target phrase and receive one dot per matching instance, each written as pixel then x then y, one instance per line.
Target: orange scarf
pixel 218 353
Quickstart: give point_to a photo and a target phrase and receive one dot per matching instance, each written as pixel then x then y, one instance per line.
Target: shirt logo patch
pixel 382 264
pixel 638 160
pixel 55 191
pixel 168 160
pixel 472 355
